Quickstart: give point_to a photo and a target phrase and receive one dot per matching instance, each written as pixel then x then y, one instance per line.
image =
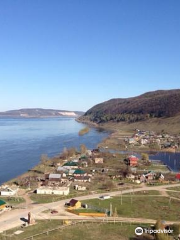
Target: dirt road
pixel 16 217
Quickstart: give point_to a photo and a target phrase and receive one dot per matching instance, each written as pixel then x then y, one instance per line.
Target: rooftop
pixel 2 202
pixel 69 164
pixel 54 175
pixel 79 171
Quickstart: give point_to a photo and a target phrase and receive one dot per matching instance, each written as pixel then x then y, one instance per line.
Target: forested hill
pixel 157 104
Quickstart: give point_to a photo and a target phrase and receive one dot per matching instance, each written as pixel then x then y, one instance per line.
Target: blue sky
pixel 73 54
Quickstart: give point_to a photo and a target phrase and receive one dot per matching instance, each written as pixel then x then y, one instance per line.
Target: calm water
pixel 170 159
pixel 22 141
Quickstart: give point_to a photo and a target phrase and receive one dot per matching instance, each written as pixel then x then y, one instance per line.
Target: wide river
pixel 23 141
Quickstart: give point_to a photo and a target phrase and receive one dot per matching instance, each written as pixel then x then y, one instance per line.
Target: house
pixel 178 176
pixel 79 172
pixel 98 160
pixel 89 153
pixel 74 203
pixel 131 161
pixel 143 141
pixel 84 163
pixel 82 179
pixel 75 160
pixel 7 191
pixel 2 204
pixel 96 150
pixel 70 165
pixel 130 176
pixel 146 177
pixel 71 172
pixel 79 188
pixel 62 169
pixel 53 190
pixel 54 177
pixel 161 177
pixel 132 140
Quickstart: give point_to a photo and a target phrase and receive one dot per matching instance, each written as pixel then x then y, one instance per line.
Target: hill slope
pixel 40 112
pixel 157 104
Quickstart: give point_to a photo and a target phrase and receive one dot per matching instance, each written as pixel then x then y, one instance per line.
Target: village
pixel 102 180
pixel 99 176
pixel 89 171
pixel 162 141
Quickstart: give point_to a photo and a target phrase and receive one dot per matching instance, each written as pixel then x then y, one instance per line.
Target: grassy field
pixel 174 188
pixel 151 207
pixel 174 194
pixel 86 231
pixel 12 200
pixel 171 125
pixel 154 167
pixel 144 193
pixel 39 198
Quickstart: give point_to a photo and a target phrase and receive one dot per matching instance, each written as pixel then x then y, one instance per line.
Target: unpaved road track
pixel 14 218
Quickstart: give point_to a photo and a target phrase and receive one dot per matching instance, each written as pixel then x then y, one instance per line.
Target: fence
pixel 106 220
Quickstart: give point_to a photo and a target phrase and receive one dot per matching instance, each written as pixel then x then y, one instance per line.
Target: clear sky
pixel 73 54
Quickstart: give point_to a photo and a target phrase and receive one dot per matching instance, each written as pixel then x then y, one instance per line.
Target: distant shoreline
pixel 24 117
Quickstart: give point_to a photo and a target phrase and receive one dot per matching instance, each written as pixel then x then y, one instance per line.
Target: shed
pixel 75 203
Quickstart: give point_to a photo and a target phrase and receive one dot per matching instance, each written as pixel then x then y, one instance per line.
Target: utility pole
pixel 111 211
pixel 121 197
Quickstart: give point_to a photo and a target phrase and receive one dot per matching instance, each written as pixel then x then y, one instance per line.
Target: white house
pixel 53 190
pixel 54 176
pixel 79 188
pixel 61 169
pixel 7 191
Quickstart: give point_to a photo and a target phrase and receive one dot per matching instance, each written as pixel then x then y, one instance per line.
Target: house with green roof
pixel 2 204
pixel 70 165
pixel 79 172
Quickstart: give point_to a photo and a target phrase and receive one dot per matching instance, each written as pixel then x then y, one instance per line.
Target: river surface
pixel 172 160
pixel 23 141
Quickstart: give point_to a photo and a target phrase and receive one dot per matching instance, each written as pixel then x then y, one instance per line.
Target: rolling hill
pixel 40 112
